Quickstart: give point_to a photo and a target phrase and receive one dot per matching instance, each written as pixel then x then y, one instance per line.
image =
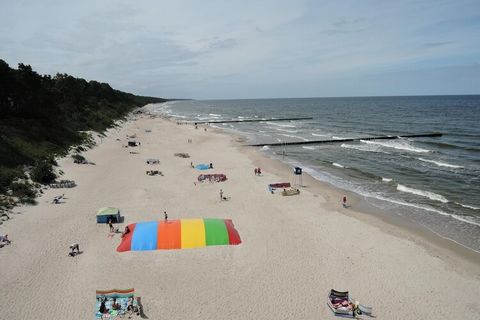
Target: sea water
pixel 434 182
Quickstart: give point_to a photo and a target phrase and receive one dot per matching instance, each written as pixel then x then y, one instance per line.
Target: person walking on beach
pixel 344 201
pixel 110 224
pixel 256 171
pixel 166 216
pixel 221 194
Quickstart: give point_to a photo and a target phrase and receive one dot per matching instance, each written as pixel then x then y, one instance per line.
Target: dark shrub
pixel 43 172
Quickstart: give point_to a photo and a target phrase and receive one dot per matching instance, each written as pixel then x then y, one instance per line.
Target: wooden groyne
pixel 435 134
pixel 251 120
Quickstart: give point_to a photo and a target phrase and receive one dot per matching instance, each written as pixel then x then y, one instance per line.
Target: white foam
pixel 426 194
pixel 281 125
pixel 386 179
pixel 397 144
pixel 441 164
pixel 324 176
pixel 285 130
pixel 308 148
pixel 214 115
pixel 292 136
pixel 265 148
pixel 366 148
pixel 319 135
pixel 337 138
pixel 468 206
pixel 338 165
pixel 454 216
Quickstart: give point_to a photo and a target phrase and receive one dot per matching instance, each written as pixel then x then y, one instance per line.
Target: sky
pixel 251 49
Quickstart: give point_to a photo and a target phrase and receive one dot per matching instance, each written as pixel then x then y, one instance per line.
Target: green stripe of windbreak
pixel 215 232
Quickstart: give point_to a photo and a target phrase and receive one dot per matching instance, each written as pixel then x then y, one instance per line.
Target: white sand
pixel 294 248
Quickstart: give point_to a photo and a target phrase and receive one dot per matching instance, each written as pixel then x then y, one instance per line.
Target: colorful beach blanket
pixel 179 234
pixel 121 297
pixel 214 177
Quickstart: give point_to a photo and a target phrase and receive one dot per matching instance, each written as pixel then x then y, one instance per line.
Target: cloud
pixel 438 44
pixel 244 48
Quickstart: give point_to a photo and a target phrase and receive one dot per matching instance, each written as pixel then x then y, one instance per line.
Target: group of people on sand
pixel 116 306
pixel 257 171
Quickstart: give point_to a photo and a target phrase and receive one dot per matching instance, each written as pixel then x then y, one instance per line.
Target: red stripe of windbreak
pixel 126 243
pixel 233 236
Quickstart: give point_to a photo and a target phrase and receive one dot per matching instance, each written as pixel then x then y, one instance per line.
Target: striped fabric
pixel 179 234
pixel 115 293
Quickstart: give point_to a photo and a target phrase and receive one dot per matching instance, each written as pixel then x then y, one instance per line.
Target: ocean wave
pixel 467 206
pixel 441 164
pixel 366 148
pixel 386 179
pixel 308 147
pixel 338 165
pixel 285 130
pixel 334 181
pixel 407 204
pixel 426 194
pixel 281 125
pixel 338 138
pixel 319 135
pixel 292 136
pixel 397 144
pixel 265 148
pixel 215 115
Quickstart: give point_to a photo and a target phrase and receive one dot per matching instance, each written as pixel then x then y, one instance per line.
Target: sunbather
pixel 4 238
pixel 103 309
pixel 74 249
pixel 115 305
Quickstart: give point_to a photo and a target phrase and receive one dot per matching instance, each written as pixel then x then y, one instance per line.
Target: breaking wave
pixel 399 145
pixel 281 125
pixel 422 193
pixel 441 164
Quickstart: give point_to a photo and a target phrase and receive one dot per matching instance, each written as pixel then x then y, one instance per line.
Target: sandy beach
pixel 293 251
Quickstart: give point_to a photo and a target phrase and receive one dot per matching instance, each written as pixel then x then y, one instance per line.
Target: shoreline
pixel 293 250
pixel 436 245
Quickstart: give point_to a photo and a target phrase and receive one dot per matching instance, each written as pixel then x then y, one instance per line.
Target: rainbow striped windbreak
pixel 179 234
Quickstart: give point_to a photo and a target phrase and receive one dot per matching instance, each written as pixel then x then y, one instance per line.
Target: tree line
pixel 42 116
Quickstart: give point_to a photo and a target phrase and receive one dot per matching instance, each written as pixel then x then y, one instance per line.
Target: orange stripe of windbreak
pixel 115 291
pixel 169 235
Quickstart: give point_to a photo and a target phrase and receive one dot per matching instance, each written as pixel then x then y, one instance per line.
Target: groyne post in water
pixel 435 134
pixel 252 120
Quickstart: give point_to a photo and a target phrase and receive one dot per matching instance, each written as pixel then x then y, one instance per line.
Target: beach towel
pixel 202 166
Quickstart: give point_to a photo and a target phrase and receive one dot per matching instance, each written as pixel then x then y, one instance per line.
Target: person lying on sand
pixel 73 247
pixel 4 238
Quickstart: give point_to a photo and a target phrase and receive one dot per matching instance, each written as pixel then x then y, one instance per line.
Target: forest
pixel 43 116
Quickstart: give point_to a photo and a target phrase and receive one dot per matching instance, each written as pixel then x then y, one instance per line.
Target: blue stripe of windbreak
pixel 145 236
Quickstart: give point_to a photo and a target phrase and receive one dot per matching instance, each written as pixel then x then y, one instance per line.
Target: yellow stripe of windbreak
pixel 193 233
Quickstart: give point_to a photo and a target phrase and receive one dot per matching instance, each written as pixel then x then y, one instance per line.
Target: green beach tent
pixel 106 213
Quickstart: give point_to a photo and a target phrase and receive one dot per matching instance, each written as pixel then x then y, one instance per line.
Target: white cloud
pixel 240 48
